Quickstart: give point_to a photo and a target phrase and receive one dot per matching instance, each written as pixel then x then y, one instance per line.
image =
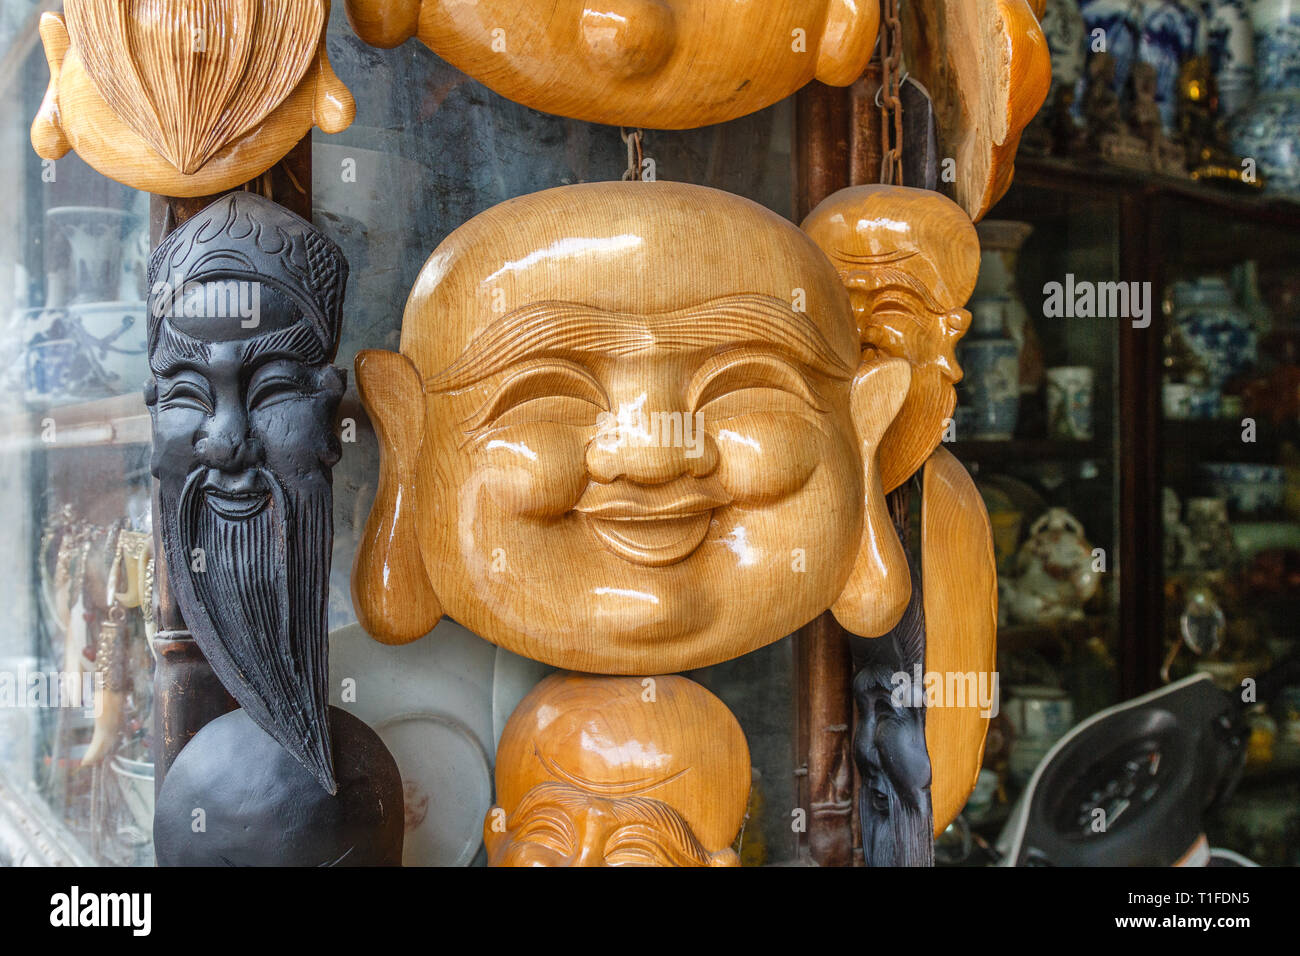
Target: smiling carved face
pixel 643 433
pixel 664 64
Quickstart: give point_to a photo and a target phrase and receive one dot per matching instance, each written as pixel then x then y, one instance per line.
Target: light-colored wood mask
pixel 630 431
pixel 618 771
pixel 661 64
pixel 186 97
pixel 961 619
pixel 909 258
pixel 987 67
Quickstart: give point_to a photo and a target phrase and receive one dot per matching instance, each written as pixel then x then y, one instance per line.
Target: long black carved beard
pixel 259 608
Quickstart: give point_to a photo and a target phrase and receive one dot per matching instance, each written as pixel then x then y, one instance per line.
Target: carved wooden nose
pixel 650 459
pixel 228 451
pixel 628 37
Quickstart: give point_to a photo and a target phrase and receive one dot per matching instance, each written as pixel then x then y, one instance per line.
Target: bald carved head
pixel 618 771
pixel 630 430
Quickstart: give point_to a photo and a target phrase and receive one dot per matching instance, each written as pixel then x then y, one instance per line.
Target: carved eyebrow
pixel 298 342
pixel 175 351
pixel 555 328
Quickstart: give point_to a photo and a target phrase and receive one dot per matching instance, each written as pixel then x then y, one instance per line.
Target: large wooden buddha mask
pixel 663 64
pixel 186 97
pixel 631 429
pixel 618 771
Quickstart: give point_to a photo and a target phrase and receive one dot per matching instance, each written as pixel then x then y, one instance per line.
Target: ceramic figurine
pixel 186 97
pixel 1055 573
pixel 909 259
pixel 618 771
pixel 245 308
pixel 997 51
pixel 631 429
pixel 662 64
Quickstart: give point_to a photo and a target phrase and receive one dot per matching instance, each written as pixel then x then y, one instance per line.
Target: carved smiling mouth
pixel 655 525
pixel 238 499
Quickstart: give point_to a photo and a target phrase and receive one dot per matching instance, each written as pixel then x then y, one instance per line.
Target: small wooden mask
pixel 618 771
pixel 662 64
pixel 630 430
pixel 186 97
pixel 909 258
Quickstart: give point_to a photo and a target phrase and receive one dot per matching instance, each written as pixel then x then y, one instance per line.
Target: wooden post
pixel 187 695
pixel 824 668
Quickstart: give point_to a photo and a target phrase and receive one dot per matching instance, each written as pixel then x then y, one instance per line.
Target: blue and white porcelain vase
pixel 1268 131
pixel 1218 333
pixel 1231 47
pixel 1120 19
pixel 990 361
pixel 1167 38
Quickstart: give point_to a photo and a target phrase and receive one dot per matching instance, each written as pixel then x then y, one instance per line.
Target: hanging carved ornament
pixel 245 308
pixel 987 68
pixel 909 259
pixel 631 429
pixel 661 64
pixel 186 97
pixel 618 771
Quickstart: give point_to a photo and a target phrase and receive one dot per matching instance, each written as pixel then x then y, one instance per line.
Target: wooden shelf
pixel 118 420
pixel 1047 172
pixel 1032 449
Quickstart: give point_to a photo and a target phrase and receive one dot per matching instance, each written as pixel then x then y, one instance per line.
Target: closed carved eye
pixel 549 390
pixel 186 393
pixel 737 383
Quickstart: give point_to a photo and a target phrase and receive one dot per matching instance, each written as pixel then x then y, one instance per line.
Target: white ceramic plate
pixel 431 703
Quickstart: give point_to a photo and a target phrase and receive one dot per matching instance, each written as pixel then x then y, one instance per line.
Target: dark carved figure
pixel 245 307
pixel 244 312
pixel 260 807
pixel 889 743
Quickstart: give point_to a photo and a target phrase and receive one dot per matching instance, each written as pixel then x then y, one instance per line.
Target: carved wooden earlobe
pixel 48 138
pixel 961 616
pixel 876 593
pixel 391 592
pixel 384 23
pixel 851 27
pixel 333 108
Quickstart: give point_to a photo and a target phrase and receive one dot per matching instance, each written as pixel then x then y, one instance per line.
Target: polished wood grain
pixel 630 430
pixel 961 616
pixel 662 64
pixel 186 97
pixel 618 771
pixel 987 68
pixel 909 258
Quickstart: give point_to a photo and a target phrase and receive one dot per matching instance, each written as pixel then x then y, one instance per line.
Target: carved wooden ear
pixel 333 107
pixel 384 23
pixel 876 593
pixel 48 138
pixel 391 591
pixel 847 41
pixel 961 622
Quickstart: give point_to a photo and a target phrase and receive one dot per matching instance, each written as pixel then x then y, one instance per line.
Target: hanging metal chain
pixel 634 155
pixel 890 100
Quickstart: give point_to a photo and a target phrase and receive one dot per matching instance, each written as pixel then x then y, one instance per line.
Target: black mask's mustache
pixel 255 597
